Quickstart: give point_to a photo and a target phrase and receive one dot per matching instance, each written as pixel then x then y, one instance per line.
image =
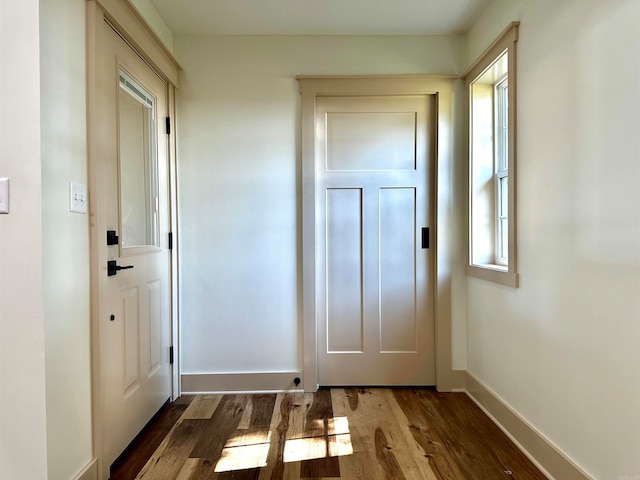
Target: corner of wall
pixel 488 25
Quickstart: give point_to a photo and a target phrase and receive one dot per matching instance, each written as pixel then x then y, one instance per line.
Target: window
pixel 491 84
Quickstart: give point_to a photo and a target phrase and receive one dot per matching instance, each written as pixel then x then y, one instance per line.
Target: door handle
pixel 113 268
pixel 425 237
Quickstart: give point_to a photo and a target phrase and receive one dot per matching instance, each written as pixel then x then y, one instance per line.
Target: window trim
pixel 495 272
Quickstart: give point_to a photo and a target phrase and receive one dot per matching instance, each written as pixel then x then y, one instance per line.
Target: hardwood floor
pixel 368 434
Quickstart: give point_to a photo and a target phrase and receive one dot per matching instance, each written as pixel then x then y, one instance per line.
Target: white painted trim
pixel 458 381
pixel 175 259
pixel 510 33
pixel 552 461
pixel 443 228
pixel 259 382
pixel 496 275
pixel 90 472
pixel 440 86
pixel 506 42
pixel 133 27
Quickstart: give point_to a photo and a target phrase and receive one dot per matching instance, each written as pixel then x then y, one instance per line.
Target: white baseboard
pixel 263 382
pixel 550 459
pixel 458 380
pixel 90 472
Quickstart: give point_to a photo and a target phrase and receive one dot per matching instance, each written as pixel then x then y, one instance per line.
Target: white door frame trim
pixel 312 87
pixel 131 26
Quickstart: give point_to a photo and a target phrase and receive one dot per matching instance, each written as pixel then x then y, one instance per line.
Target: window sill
pixel 494 273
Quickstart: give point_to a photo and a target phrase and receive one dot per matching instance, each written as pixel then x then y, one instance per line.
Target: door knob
pixel 113 268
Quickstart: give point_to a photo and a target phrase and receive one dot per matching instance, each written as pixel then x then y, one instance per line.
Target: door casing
pixel 130 25
pixel 311 87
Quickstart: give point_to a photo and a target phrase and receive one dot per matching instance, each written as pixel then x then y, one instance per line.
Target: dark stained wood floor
pixel 368 434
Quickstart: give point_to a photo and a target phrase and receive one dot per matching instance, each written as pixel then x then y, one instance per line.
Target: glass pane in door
pixel 137 164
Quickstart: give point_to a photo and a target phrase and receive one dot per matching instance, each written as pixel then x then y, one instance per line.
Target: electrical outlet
pixel 78 198
pixel 4 195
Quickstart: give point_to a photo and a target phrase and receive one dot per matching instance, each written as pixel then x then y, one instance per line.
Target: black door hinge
pixel 171 354
pixel 170 241
pixel 168 125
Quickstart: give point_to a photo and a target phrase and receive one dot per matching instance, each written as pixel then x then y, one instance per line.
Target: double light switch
pixel 4 195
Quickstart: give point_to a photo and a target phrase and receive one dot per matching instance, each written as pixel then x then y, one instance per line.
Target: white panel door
pixel 375 287
pixel 133 201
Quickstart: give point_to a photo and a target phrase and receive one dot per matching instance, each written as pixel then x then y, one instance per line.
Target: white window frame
pixel 496 268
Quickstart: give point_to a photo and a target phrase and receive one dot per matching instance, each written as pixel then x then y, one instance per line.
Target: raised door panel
pixel 344 317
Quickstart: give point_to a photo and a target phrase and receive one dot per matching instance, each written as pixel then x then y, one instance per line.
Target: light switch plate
pixel 78 198
pixel 4 195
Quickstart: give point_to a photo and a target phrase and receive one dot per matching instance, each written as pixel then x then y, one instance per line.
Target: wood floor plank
pixel 422 461
pixel 361 465
pixel 502 452
pixel 202 407
pixel 297 422
pixel 425 444
pixel 287 423
pixel 472 457
pixel 187 470
pixel 399 443
pixel 200 468
pixel 169 460
pixel 386 459
pixel 219 427
pixel 246 451
pixel 184 399
pixel 428 436
pixel 278 431
pixel 301 404
pixel 248 474
pixel 317 430
pixel 147 442
pixel 244 422
pixel 262 410
pixel 466 446
pixel 373 410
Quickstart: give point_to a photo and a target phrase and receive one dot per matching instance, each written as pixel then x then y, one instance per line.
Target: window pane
pixel 502 125
pixel 504 197
pixel 502 240
pixel 137 161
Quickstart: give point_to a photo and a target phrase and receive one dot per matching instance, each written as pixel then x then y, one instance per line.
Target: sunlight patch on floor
pixel 242 458
pixel 250 450
pixel 335 442
pixel 245 451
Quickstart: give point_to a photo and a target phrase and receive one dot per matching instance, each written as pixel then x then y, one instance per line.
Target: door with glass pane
pixel 133 207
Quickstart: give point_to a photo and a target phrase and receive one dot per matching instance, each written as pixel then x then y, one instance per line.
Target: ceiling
pixel 318 17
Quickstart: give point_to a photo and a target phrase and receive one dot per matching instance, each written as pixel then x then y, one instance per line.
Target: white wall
pixel 239 185
pixel 66 237
pixel 563 349
pixel 22 360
